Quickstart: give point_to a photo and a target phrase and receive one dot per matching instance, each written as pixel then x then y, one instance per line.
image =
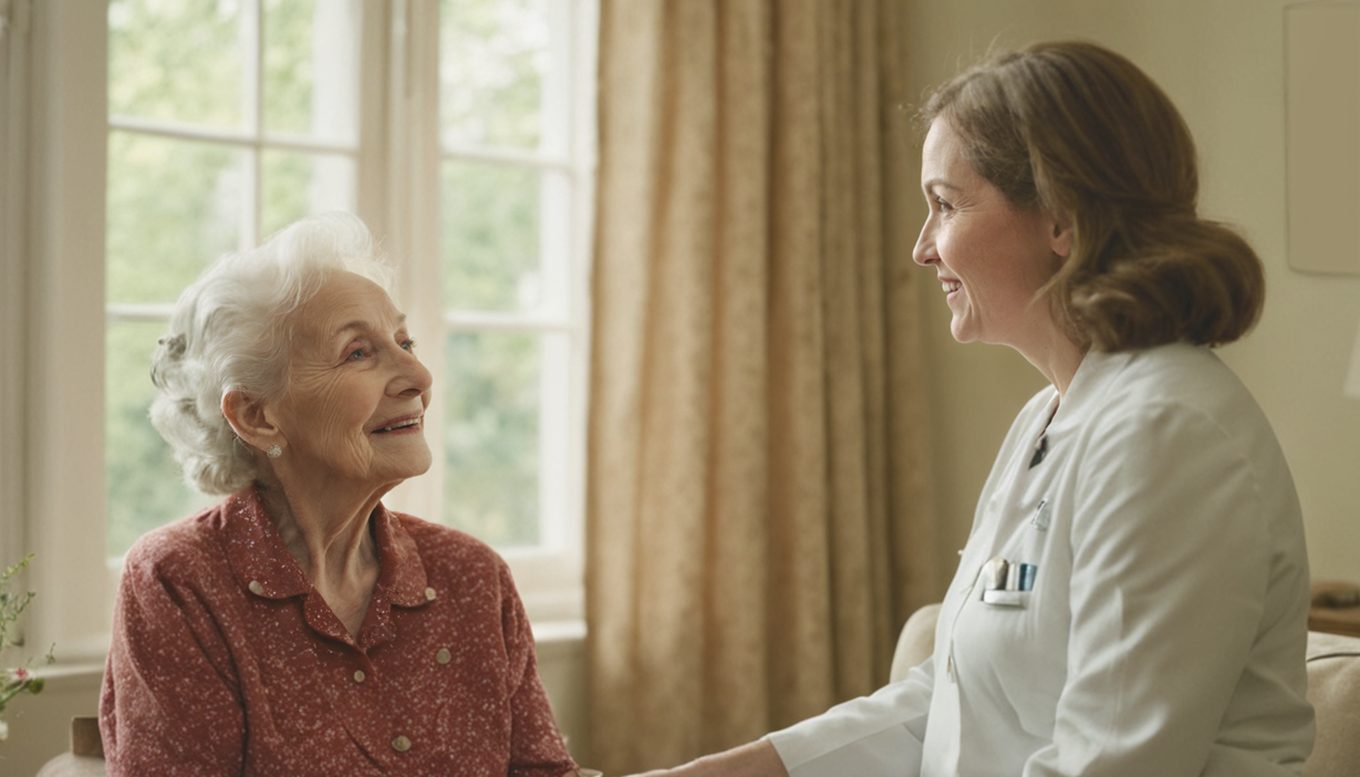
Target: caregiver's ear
pixel 1060 235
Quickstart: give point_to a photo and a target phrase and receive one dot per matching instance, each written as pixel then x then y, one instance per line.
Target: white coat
pixel 1164 626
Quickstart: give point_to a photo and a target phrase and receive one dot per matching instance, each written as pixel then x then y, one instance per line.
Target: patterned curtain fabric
pixel 760 513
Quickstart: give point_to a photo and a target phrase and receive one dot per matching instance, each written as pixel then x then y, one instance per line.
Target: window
pixel 516 148
pixel 460 131
pixel 227 120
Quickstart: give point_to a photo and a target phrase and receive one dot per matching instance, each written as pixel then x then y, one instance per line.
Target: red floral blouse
pixel 225 659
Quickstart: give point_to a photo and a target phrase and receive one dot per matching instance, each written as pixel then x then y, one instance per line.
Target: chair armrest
pixel 916 642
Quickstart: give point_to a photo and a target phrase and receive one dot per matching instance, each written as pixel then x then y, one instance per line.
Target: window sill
pixel 559 636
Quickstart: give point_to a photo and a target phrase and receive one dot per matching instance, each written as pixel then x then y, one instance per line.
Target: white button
pixel 256 588
pixel 359 675
pixel 429 594
pixel 401 744
pixel 443 656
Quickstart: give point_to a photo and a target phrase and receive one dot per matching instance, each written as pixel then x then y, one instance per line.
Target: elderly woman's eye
pixel 356 354
pixel 408 344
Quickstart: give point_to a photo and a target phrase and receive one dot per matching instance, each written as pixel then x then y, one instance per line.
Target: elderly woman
pixel 300 627
pixel 1133 598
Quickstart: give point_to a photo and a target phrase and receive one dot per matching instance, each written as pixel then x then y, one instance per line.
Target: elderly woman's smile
pixel 356 394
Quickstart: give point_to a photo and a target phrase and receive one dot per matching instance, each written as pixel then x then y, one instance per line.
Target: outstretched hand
pixel 757 759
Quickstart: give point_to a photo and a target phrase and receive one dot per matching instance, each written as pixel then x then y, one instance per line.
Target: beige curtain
pixel 760 518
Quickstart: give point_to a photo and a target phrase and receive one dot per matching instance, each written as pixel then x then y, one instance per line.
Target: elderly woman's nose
pixel 416 373
pixel 413 374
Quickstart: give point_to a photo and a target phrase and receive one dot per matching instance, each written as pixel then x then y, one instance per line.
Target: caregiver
pixel 1133 598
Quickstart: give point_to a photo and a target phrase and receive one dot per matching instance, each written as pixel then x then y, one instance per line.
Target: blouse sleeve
pixel 1172 558
pixel 872 736
pixel 536 745
pixel 169 703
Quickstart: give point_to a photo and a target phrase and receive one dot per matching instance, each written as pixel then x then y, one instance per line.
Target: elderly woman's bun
pixel 1081 132
pixel 231 330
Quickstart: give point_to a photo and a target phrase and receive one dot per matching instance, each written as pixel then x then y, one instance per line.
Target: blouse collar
pixel 262 565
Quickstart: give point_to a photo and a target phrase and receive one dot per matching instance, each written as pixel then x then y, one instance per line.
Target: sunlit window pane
pixel 311 58
pixel 491 233
pixel 173 206
pixel 493 62
pixel 178 60
pixel 144 486
pixel 296 185
pixel 491 435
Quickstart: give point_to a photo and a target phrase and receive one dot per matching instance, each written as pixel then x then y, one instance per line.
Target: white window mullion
pixel 252 68
pixel 412 217
pixel 334 101
pixel 252 60
pixel 557 92
pixel 556 191
pixel 554 437
pixel 194 132
pixel 141 312
pixel 464 321
pixel 583 141
pixel 507 156
pixel 375 93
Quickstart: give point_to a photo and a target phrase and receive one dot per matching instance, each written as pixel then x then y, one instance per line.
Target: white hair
pixel 231 331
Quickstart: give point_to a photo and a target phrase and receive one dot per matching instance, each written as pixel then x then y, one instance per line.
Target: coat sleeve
pixel 169 703
pixel 872 736
pixel 536 745
pixel 1171 555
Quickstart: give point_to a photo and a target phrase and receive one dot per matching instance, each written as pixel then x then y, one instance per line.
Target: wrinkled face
pixel 354 406
pixel 990 256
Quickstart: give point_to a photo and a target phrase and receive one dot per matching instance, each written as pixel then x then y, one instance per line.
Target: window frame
pixel 550 577
pixel 52 208
pixel 61 442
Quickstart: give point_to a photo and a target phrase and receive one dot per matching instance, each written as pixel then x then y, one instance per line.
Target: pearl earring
pixel 274 452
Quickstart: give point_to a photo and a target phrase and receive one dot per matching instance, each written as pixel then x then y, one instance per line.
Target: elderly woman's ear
pixel 249 421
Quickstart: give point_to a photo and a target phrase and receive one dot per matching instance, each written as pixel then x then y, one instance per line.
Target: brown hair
pixel 1079 131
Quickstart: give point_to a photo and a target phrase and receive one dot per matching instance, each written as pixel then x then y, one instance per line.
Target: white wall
pixel 1222 62
pixel 40 726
